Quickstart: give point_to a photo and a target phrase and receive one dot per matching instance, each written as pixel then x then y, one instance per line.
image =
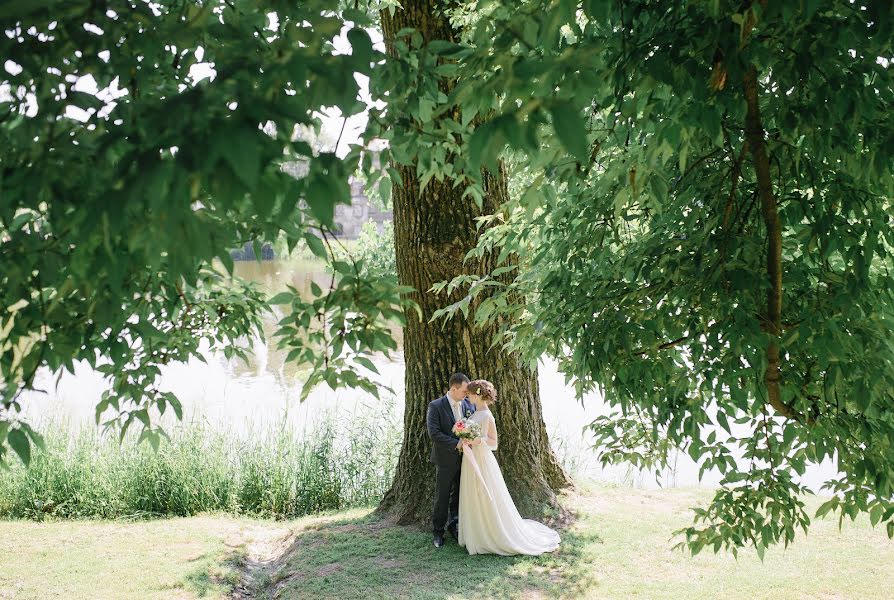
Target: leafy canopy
pixel 141 141
pixel 707 236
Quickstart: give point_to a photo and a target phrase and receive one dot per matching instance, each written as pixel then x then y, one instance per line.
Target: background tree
pixel 708 239
pixel 435 227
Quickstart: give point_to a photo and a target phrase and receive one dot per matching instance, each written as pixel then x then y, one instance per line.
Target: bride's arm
pixel 490 435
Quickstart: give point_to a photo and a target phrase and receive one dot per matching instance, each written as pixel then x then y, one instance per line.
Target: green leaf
pixel 825 507
pixel 19 442
pixel 143 416
pixel 243 154
pixel 21 219
pixel 282 298
pixel 175 404
pixel 151 437
pixel 683 157
pixel 425 109
pixel 789 433
pixel 449 49
pixel 323 193
pixel 227 261
pixel 361 45
pixel 316 245
pixel 479 144
pixel 571 129
pixel 362 360
pixel 385 189
pixel 723 421
pixel 597 10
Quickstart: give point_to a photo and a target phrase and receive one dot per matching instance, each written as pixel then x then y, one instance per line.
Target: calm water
pixel 244 397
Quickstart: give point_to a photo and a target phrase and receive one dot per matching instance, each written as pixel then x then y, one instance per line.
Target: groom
pixel 445 454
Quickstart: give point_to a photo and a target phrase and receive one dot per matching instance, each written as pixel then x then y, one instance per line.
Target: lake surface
pixel 247 397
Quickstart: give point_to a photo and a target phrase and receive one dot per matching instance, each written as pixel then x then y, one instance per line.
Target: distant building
pixel 349 219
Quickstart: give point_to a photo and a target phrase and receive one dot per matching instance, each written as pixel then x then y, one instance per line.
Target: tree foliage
pixel 126 174
pixel 707 239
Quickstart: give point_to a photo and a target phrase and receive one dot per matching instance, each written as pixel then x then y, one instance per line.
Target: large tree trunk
pixel 433 231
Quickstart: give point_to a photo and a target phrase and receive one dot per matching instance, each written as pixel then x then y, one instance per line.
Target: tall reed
pixel 335 464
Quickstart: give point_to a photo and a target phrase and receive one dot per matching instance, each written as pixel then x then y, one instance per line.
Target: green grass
pixel 196 557
pixel 340 464
pixel 618 548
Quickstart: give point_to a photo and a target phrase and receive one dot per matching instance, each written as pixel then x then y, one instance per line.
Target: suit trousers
pixel 446 510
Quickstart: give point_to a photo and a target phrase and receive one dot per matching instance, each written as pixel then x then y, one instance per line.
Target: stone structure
pixel 247 252
pixel 350 219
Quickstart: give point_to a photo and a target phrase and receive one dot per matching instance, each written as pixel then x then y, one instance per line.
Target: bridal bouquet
pixel 466 429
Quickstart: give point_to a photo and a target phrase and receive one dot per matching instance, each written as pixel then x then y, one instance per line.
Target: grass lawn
pixel 170 558
pixel 618 548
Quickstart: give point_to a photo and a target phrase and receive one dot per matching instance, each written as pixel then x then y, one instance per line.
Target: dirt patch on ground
pixel 10 593
pixel 390 563
pixel 330 524
pixel 361 527
pixel 554 574
pixel 533 594
pixel 264 551
pixel 284 583
pixel 329 569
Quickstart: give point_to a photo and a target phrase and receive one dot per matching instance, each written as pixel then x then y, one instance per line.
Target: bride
pixel 489 521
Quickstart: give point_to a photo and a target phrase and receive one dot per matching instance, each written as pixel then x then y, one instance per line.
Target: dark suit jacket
pixel 439 421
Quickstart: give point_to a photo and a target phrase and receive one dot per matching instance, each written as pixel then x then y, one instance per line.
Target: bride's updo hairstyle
pixel 483 388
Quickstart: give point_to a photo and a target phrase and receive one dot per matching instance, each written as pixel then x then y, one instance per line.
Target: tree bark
pixel 754 134
pixel 434 228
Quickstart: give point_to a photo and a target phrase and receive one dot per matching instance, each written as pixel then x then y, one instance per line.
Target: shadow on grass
pixel 215 574
pixel 369 558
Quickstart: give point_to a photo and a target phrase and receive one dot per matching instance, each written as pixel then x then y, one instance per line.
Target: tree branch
pixel 664 346
pixel 772 319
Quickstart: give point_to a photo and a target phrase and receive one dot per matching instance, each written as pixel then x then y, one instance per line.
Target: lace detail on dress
pixel 488 428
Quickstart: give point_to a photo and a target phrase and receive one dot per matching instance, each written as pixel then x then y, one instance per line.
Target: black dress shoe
pixel 454 533
pixel 439 540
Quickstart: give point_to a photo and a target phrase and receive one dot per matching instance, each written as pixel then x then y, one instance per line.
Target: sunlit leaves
pixel 337 329
pixel 141 144
pixel 643 247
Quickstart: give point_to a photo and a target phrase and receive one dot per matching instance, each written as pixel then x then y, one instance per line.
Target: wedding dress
pixel 489 523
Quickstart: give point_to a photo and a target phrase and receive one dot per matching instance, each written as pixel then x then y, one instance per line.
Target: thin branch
pixel 664 346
